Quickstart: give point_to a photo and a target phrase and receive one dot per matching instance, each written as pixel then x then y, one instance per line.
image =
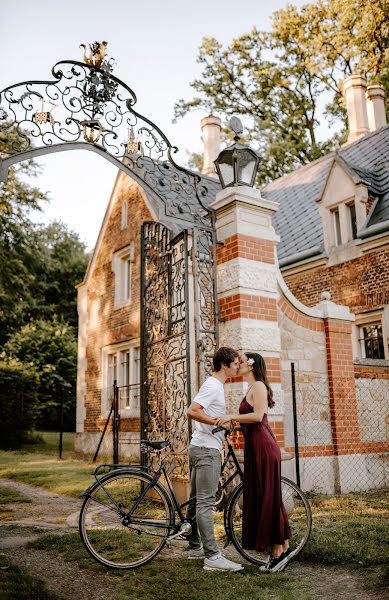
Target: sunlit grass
pixel 178 578
pixel 351 529
pixel 69 477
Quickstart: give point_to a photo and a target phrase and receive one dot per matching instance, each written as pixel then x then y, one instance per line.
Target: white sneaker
pixel 220 563
pixel 195 553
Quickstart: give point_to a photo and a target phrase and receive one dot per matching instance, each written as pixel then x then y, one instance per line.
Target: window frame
pixel 337 230
pixel 363 339
pixel 373 316
pixel 122 266
pixel 352 220
pixel 131 348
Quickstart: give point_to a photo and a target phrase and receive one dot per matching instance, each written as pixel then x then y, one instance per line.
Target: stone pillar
pixel 210 127
pixel 247 286
pixel 342 394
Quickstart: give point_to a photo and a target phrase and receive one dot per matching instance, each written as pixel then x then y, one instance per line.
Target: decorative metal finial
pixel 96 55
pixel 237 127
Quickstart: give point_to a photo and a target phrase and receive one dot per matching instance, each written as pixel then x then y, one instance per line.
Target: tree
pixel 17 252
pixel 18 394
pixel 276 79
pixel 40 264
pixel 63 263
pixel 49 348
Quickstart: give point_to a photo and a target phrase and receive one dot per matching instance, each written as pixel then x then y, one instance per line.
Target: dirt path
pixel 53 512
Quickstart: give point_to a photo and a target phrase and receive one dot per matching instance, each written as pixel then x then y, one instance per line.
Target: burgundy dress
pixel 265 520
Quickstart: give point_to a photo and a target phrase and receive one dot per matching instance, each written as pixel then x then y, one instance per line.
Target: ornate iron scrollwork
pixel 95 108
pixel 170 275
pixel 165 343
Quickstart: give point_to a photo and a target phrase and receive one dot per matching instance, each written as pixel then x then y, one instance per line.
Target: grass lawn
pixel 177 578
pixel 48 442
pixel 350 531
pixel 41 466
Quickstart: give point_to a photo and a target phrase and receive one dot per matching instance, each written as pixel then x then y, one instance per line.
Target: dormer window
pixel 336 223
pixel 344 223
pixel 352 218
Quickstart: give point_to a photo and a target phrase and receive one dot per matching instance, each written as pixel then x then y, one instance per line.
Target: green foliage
pixel 40 267
pixel 276 80
pixel 50 349
pixel 18 402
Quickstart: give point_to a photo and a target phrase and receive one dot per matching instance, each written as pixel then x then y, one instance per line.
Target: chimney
pixel 375 97
pixel 354 89
pixel 210 127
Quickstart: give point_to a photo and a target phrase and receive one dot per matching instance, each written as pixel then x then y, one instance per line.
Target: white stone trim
pixel 326 309
pixel 242 210
pixel 251 335
pixel 245 276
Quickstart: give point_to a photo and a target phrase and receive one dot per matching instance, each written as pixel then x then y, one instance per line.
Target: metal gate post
pixel 115 423
pixel 295 428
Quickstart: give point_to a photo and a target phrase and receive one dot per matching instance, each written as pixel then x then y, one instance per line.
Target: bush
pixel 50 348
pixel 18 403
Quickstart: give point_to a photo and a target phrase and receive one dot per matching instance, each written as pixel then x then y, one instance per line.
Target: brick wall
pixel 107 324
pixel 359 283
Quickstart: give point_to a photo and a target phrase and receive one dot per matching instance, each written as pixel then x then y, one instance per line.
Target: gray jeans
pixel 205 472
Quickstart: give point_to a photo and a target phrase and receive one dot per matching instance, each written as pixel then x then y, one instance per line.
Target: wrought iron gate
pixel 85 106
pixel 178 331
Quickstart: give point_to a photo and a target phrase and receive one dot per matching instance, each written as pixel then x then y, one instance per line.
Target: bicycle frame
pixel 155 476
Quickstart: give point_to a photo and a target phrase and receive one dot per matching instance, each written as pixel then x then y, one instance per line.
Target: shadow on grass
pixel 16 584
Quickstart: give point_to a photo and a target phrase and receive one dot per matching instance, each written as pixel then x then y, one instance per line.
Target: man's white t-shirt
pixel 211 398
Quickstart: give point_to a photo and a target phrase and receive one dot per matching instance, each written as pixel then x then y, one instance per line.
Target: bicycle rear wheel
pixel 299 513
pixel 112 535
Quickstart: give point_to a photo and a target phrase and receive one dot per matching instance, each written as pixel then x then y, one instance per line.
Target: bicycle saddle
pixel 156 445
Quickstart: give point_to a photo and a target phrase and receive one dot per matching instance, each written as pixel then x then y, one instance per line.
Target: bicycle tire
pixel 299 513
pixel 103 530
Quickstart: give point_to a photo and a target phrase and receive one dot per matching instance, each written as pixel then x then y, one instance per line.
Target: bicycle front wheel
pixel 299 514
pixel 122 523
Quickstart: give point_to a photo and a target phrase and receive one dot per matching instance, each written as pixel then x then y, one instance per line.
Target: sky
pixel 155 46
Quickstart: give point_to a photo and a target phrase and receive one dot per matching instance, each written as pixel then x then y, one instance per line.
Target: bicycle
pixel 128 515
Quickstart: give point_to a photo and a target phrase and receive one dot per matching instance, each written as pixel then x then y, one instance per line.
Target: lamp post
pixel 238 164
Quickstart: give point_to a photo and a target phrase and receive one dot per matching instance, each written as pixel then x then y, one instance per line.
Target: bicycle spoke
pixel 299 517
pixel 134 537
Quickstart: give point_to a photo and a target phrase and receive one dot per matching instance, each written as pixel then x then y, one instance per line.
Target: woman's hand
pixel 223 421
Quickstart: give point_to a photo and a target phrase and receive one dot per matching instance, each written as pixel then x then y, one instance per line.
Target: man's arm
pixel 197 413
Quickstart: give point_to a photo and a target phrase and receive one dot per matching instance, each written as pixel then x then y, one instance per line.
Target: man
pixel 205 460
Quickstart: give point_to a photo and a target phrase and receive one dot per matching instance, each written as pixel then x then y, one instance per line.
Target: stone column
pixel 210 127
pixel 247 286
pixel 342 394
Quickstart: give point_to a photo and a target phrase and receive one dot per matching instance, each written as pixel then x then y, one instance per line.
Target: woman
pixel 265 520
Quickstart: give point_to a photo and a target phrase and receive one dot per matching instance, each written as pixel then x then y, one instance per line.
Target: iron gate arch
pixel 94 111
pixel 179 332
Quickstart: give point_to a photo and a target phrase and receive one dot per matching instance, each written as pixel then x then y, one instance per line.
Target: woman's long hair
pixel 260 374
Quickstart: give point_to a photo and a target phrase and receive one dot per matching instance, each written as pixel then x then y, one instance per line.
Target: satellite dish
pixel 236 125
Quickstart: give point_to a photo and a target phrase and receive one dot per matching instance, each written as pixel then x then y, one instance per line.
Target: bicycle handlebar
pixel 216 429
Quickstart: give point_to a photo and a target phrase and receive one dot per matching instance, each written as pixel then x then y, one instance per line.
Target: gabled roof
pixel 298 221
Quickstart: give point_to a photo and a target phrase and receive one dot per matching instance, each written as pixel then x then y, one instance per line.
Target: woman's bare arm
pixel 257 397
